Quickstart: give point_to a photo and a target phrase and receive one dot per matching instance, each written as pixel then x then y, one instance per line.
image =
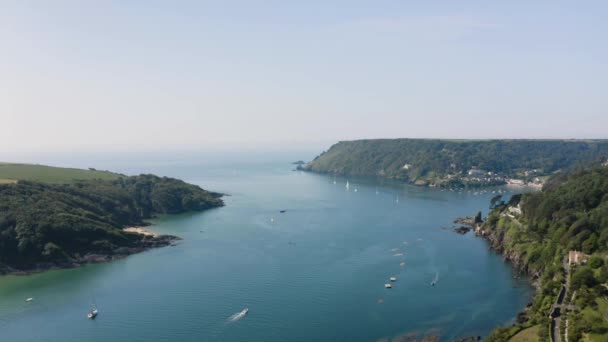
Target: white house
pixel 476 173
pixel 575 257
pixel 512 181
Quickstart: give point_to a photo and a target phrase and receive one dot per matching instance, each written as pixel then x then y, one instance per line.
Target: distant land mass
pixel 54 217
pixel 458 163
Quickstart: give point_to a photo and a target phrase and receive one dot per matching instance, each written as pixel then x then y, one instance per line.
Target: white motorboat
pixel 93 313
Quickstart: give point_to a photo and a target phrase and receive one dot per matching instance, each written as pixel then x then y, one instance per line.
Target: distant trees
pixel 434 159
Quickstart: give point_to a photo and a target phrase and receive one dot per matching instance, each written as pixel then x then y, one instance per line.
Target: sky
pixel 147 75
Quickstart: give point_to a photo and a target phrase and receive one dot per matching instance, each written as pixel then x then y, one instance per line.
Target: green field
pixel 10 173
pixel 527 335
pixel 595 337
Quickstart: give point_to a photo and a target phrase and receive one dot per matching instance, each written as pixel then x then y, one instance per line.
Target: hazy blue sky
pixel 144 74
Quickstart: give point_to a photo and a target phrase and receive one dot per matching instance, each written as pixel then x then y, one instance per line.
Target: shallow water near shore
pixel 314 273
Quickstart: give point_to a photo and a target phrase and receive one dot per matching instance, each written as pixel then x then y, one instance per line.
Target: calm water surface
pixel 316 273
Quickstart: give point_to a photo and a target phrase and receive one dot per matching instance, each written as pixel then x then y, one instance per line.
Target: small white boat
pixel 388 286
pixel 347 185
pixel 393 278
pixel 93 313
pixel 29 299
pixel 237 316
pixel 435 280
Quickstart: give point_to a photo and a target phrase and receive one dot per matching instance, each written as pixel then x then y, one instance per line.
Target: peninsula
pixel 56 217
pixel 458 163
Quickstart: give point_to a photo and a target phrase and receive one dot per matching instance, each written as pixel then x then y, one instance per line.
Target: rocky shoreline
pixel 478 226
pixel 495 243
pixel 508 256
pixel 147 242
pixel 466 223
pixel 513 259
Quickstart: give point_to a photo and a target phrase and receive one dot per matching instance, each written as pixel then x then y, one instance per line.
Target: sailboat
pixel 347 185
pixel 334 180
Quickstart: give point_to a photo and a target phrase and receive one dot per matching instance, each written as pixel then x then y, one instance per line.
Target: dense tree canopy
pixel 571 213
pixel 412 159
pixel 46 222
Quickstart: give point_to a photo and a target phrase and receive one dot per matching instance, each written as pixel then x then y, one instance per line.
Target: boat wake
pixel 237 316
pixel 435 280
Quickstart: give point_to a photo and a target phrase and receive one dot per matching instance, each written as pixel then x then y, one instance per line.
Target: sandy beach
pixel 140 230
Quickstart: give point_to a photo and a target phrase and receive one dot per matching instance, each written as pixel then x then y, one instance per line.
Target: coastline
pixel 149 241
pixel 468 224
pixel 495 245
pixel 533 278
pixel 475 224
pixel 102 220
pixel 428 183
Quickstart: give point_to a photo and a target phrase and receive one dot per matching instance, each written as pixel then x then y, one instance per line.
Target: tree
pixel 596 262
pixel 583 276
pixel 52 251
pixel 477 218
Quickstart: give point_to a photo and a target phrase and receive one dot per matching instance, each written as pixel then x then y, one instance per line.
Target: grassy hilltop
pixel 11 173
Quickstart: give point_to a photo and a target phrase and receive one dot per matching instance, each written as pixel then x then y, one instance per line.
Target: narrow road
pixel 556 315
pixel 556 309
pixel 555 330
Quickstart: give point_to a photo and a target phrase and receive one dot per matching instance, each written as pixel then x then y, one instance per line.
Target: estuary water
pixel 313 273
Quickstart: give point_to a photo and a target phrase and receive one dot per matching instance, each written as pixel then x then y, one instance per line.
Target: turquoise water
pixel 316 273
